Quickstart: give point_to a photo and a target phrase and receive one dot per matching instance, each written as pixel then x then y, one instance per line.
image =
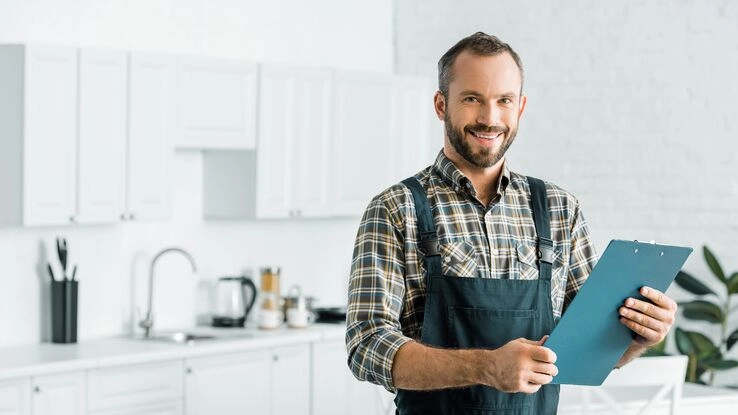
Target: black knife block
pixel 64 311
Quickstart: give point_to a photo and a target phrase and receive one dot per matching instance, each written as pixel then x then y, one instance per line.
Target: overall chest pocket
pixel 459 259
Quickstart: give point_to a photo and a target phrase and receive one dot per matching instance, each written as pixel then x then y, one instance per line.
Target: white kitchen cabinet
pixel 330 378
pixel 150 124
pixel 290 386
pixel 291 177
pixel 125 388
pixel 382 136
pixel 102 119
pixel 38 134
pixel 216 103
pixel 295 107
pixel 336 390
pixel 79 142
pixel 62 394
pixel 15 397
pixel 363 144
pixel 411 128
pixel 227 384
pixel 260 382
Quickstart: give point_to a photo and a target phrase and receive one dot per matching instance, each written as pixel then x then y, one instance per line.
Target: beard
pixel 485 157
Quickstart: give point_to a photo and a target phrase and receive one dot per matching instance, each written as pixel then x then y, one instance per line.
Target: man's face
pixel 482 109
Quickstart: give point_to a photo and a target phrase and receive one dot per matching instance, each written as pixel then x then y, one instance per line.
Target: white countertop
pixel 47 358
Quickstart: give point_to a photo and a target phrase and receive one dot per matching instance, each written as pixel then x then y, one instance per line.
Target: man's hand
pixel 520 365
pixel 650 321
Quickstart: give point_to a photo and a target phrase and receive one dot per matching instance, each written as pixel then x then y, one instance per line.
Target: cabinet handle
pixel 37 389
pixel 275 358
pixel 122 216
pixel 189 371
pixel 131 216
pixel 72 219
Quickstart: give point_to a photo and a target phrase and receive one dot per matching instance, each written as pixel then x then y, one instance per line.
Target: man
pixel 460 272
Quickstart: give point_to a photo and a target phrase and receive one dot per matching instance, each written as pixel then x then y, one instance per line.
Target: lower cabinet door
pixel 62 394
pixel 331 378
pixel 15 397
pixel 291 380
pixel 228 384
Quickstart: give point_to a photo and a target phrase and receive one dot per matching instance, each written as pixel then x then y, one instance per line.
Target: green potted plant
pixel 706 356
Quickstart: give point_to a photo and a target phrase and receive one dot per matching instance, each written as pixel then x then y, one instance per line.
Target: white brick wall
pixel 632 106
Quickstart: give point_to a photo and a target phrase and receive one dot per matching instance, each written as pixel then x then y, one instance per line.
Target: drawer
pixel 169 408
pixel 123 386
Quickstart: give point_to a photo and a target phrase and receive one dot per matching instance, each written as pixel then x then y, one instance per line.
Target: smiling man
pixel 460 271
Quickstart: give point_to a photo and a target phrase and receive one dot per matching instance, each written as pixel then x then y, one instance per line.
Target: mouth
pixel 485 136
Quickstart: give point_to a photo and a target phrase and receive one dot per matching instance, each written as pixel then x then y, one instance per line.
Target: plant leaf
pixel 683 342
pixel 703 346
pixel 733 284
pixel 719 364
pixel 713 263
pixel 703 310
pixel 732 339
pixel 692 284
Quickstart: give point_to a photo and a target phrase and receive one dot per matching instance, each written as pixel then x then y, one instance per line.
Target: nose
pixel 489 115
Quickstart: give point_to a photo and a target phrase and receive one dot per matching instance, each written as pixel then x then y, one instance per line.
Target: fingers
pixel 659 298
pixel 650 335
pixel 650 320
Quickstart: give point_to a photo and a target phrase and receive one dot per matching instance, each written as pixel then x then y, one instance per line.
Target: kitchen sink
pixel 183 337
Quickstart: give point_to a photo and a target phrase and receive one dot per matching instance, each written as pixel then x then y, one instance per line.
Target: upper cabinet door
pixel 101 136
pixel 50 135
pixel 411 125
pixel 312 143
pixel 216 104
pixel 276 151
pixel 149 129
pixel 363 142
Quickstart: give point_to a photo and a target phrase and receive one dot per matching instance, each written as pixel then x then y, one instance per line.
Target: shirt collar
pixel 450 174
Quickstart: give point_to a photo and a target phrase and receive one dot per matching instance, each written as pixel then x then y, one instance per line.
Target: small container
pixel 64 311
pixel 270 313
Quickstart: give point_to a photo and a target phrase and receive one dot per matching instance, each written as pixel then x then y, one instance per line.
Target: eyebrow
pixel 477 94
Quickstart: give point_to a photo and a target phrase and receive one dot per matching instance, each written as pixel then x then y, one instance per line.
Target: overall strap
pixel 539 206
pixel 428 239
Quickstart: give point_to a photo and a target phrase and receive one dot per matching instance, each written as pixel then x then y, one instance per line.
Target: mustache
pixel 481 128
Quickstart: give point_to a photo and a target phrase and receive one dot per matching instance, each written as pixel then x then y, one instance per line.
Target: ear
pixel 523 102
pixel 439 103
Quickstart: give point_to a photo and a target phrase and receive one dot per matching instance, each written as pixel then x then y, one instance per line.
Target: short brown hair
pixel 479 43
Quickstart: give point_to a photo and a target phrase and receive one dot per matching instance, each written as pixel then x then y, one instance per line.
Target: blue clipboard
pixel 590 339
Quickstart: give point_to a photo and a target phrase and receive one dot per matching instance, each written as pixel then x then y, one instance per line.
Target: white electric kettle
pixel 234 298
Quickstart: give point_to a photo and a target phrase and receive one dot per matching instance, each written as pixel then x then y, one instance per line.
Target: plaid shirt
pixel 387 285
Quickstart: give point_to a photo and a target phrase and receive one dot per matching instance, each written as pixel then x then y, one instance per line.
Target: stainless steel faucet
pixel 148 322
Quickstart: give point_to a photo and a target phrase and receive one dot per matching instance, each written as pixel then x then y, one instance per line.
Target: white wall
pixel 113 260
pixel 631 106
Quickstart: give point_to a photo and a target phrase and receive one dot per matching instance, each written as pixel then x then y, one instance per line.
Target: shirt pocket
pixel 459 259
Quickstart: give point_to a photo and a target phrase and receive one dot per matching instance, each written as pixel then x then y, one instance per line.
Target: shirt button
pixel 456 188
pixel 447 259
pixel 495 252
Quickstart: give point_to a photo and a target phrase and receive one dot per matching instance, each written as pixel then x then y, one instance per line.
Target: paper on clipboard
pixel 589 339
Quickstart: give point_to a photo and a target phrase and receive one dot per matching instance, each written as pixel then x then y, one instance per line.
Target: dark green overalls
pixel 482 313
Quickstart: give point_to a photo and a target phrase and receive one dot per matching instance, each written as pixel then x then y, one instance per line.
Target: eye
pixel 506 101
pixel 471 99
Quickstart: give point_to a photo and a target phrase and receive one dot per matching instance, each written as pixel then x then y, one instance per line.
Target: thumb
pixel 543 340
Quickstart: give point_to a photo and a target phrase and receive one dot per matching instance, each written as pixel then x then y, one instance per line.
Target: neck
pixel 484 179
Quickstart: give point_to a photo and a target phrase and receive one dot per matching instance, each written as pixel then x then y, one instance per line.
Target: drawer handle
pixel 37 389
pixel 189 371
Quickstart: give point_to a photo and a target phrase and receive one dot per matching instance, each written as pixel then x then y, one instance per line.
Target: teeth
pixel 486 136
